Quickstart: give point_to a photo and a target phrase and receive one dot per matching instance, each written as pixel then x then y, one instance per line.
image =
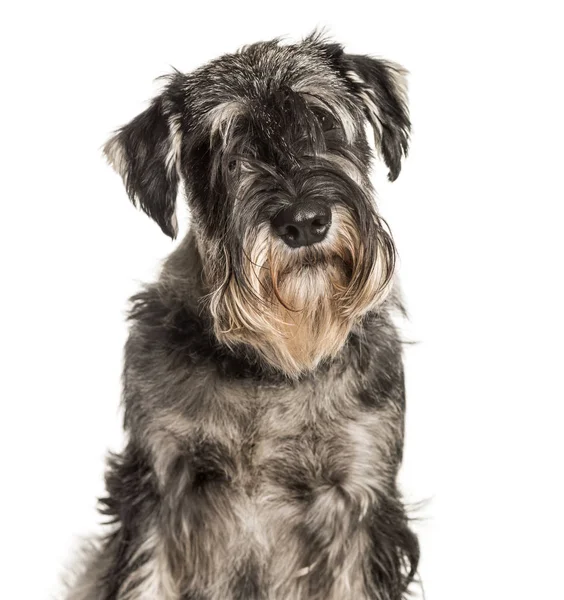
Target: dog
pixel 263 380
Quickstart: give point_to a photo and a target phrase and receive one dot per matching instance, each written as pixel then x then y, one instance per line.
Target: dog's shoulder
pixel 376 352
pixel 169 329
pixel 163 324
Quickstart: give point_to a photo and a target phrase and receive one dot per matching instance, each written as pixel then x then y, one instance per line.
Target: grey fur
pixel 251 471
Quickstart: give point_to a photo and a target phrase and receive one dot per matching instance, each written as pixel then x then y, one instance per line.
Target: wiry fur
pixel 299 306
pixel 263 385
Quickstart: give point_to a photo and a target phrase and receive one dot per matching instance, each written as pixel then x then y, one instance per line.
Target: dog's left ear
pixel 382 88
pixel 145 152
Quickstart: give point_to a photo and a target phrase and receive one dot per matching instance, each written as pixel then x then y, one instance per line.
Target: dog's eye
pixel 327 122
pixel 231 166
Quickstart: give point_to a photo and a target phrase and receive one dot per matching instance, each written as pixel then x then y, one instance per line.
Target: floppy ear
pixel 382 88
pixel 145 153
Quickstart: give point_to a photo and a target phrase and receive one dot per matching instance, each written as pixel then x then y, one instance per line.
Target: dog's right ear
pixel 146 153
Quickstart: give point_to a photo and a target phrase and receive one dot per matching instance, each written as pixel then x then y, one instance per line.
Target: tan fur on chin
pixel 300 305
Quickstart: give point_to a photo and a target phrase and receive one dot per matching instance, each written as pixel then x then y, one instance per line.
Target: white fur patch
pixel 172 160
pixel 222 118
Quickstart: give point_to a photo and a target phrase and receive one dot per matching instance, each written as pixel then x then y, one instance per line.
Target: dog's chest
pixel 302 468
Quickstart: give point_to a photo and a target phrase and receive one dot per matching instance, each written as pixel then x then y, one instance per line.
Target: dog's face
pixel 269 144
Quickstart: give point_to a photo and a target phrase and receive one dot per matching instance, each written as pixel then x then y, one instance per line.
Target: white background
pixel 477 215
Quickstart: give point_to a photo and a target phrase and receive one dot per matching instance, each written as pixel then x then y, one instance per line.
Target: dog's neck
pixel 182 274
pixel 182 280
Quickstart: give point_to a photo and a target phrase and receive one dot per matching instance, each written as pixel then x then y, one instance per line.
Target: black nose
pixel 303 223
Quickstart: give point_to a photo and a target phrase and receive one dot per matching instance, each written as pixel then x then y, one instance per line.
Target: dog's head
pixel 269 144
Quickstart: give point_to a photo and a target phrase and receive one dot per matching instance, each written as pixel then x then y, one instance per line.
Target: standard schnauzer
pixel 263 379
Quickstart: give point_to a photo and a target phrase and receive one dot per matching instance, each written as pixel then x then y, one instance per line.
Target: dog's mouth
pixel 315 260
pixel 318 260
pixel 312 264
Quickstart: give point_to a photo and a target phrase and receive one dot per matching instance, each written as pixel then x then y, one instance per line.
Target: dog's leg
pixel 110 576
pixel 144 575
pixel 200 514
pixel 131 563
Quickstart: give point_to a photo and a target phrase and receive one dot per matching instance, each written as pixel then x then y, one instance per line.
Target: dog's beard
pixel 297 306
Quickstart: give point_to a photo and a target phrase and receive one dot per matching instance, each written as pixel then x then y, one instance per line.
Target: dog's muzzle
pixel 302 223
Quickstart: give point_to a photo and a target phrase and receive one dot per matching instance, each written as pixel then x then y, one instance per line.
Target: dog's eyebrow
pixel 222 117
